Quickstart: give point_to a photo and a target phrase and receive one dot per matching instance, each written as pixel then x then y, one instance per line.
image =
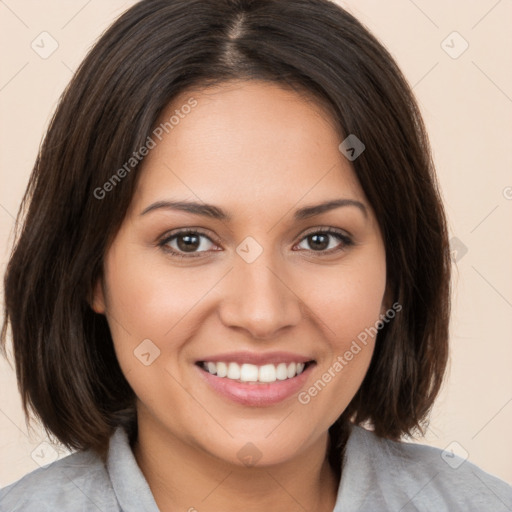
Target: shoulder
pixel 78 482
pixel 418 477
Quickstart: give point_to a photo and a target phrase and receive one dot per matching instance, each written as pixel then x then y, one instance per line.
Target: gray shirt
pixel 378 475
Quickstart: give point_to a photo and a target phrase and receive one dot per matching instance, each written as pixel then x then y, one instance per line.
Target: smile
pixel 259 383
pixel 247 372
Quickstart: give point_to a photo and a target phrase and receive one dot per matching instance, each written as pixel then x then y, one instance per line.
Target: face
pixel 257 285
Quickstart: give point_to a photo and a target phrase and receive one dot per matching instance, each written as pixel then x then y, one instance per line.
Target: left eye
pixel 319 241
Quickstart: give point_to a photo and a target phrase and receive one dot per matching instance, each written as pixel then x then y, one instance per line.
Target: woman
pixel 234 258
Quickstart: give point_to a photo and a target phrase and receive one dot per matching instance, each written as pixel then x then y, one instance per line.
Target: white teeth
pixel 282 371
pixel 222 369
pixel 233 371
pixel 292 370
pixel 253 373
pixel 267 373
pixel 248 373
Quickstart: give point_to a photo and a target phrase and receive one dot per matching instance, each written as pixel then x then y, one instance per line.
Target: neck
pixel 184 477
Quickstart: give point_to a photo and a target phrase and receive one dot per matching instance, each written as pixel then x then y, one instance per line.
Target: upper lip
pixel 257 358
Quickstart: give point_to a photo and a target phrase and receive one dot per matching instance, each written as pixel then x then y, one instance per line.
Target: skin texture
pixel 260 152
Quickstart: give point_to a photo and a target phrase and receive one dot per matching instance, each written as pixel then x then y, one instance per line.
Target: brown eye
pixel 325 241
pixel 187 243
pixel 318 241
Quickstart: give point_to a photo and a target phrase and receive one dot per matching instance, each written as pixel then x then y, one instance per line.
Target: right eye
pixel 186 243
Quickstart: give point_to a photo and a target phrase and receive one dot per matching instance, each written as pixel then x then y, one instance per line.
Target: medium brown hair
pixel 66 366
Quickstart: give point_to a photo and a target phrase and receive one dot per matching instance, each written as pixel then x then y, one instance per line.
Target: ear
pixel 97 301
pixel 387 299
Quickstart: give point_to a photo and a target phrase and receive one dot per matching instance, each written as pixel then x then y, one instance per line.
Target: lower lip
pixel 256 394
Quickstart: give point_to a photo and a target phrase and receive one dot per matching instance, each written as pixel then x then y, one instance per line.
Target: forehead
pixel 247 143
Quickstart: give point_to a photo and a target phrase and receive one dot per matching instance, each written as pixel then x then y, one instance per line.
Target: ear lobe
pixel 97 302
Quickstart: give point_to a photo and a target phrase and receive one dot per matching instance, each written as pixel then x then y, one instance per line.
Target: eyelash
pixel 345 239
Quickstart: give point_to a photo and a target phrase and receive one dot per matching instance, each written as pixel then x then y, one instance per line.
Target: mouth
pixel 253 384
pixel 252 373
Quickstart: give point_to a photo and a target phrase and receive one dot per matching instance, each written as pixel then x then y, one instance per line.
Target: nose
pixel 259 298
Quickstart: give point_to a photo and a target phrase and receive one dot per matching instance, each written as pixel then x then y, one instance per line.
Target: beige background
pixel 467 104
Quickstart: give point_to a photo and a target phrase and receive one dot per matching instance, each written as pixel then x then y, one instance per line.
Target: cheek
pixel 151 300
pixel 349 304
pixel 147 308
pixel 153 311
pixel 349 297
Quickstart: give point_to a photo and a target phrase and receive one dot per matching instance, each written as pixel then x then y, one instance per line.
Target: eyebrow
pixel 214 212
